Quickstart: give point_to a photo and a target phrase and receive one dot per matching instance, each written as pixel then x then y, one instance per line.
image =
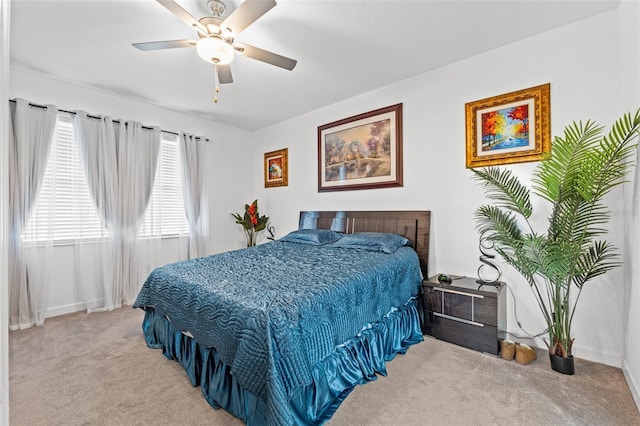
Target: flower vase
pixel 251 239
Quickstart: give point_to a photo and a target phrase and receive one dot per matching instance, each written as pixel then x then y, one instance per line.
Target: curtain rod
pixel 31 104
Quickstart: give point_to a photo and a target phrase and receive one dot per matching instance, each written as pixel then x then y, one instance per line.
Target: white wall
pixel 629 13
pixel 226 184
pixel 4 211
pixel 581 61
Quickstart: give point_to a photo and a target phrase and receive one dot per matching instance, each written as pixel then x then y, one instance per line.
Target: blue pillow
pixel 311 236
pixel 372 241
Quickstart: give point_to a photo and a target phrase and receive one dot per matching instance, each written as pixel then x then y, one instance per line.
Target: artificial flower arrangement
pixel 252 223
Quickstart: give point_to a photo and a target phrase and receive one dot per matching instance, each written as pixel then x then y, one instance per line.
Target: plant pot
pixel 561 364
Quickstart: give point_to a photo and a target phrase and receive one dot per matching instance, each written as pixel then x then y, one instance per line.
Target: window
pixel 165 215
pixel 64 210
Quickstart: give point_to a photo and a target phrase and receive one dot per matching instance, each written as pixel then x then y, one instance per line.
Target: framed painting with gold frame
pixel 510 128
pixel 361 152
pixel 276 168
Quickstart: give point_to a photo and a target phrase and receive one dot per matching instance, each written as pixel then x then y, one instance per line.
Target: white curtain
pixel 192 155
pixel 31 134
pixel 119 160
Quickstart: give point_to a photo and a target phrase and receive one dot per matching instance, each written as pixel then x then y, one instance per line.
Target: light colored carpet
pixel 96 370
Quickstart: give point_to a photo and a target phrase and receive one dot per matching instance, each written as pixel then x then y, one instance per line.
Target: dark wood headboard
pixel 415 225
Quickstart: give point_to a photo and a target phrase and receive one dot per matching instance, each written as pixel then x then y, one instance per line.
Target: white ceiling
pixel 343 48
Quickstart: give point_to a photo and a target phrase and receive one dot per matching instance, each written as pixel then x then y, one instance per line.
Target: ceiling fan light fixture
pixel 215 50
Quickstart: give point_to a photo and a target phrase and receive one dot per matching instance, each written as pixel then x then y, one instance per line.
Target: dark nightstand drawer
pixel 479 338
pixel 462 305
pixel 464 313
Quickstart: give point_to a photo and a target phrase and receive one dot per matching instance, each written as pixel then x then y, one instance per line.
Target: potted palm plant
pixel 585 165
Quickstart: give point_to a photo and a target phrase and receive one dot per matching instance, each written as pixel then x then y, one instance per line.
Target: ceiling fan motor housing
pixel 214 27
pixel 216 7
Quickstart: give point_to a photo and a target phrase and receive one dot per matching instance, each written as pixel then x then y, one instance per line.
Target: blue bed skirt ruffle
pixel 356 361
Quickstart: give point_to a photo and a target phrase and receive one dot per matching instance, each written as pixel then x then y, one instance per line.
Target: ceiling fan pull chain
pixel 215 82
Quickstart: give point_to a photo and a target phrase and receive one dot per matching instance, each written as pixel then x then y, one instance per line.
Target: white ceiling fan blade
pixel 167 44
pixel 265 56
pixel 246 14
pixel 184 16
pixel 224 74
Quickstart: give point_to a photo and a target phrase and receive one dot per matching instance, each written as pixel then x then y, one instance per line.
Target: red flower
pixel 251 221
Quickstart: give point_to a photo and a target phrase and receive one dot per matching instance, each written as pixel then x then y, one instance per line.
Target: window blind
pixel 165 215
pixel 64 210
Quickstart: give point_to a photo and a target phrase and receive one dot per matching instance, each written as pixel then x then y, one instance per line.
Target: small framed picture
pixel 361 152
pixel 276 168
pixel 510 128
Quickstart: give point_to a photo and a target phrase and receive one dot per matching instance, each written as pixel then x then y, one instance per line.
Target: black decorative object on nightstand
pixel 465 313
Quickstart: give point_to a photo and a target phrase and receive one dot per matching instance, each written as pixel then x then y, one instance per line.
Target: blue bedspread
pixel 274 311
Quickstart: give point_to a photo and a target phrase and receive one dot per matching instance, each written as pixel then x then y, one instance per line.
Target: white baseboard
pixel 597 356
pixel 73 307
pixel 64 309
pixel 633 385
pixel 578 351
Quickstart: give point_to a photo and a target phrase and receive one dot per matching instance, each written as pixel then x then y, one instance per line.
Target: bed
pixel 280 333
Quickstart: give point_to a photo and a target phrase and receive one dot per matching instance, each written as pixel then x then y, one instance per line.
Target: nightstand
pixel 465 313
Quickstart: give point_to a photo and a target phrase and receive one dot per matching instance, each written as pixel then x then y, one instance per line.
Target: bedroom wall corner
pixel 231 177
pixel 4 210
pixel 629 16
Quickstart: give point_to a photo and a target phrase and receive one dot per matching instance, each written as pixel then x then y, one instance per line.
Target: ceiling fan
pixel 216 36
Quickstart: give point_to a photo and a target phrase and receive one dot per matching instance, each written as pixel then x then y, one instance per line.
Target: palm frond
pixel 583 168
pixel 555 176
pixel 556 261
pixel 596 260
pixel 505 188
pixel 605 166
pixel 501 226
pixel 577 221
pixel 518 249
pixel 527 259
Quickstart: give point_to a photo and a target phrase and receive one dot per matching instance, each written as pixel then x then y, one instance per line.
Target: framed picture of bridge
pixel 509 128
pixel 361 152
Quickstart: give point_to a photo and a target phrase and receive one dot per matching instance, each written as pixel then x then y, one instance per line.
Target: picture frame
pixel 510 128
pixel 276 168
pixel 361 152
